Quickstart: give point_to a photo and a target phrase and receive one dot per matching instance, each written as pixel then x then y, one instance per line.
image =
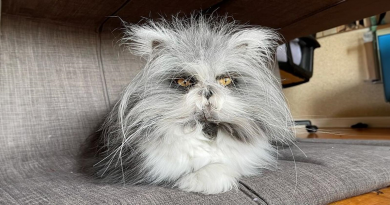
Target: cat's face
pixel 217 77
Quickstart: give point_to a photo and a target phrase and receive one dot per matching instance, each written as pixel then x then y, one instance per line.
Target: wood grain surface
pixel 380 197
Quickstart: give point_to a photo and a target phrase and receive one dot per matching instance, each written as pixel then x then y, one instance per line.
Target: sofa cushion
pixel 51 91
pixel 324 171
pixel 330 172
pixel 55 180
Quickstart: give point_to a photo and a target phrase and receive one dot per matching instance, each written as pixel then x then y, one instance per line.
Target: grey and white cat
pixel 201 113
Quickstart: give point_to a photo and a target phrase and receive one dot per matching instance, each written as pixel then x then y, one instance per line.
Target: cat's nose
pixel 207 93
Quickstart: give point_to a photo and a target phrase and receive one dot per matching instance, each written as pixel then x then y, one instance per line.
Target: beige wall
pixel 337 88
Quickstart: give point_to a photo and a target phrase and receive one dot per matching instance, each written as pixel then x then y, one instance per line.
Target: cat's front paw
pixel 211 179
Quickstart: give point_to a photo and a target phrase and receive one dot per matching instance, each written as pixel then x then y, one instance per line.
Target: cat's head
pixel 204 72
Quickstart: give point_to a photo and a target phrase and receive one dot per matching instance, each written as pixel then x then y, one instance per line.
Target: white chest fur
pixel 204 165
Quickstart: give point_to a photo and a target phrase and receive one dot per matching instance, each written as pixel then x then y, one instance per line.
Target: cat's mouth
pixel 211 129
pixel 209 124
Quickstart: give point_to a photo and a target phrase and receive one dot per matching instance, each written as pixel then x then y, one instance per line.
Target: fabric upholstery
pixel 347 141
pixel 55 180
pixel 51 93
pixel 120 66
pixel 324 172
pixel 329 173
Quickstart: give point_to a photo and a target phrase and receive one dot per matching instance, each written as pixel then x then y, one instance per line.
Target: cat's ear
pixel 255 41
pixel 145 41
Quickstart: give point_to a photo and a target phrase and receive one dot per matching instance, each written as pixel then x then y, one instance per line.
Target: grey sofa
pixel 57 82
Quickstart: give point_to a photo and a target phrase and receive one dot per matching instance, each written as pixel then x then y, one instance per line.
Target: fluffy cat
pixel 203 111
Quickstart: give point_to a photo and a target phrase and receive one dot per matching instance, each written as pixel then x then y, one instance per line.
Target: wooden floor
pixel 347 133
pixel 381 197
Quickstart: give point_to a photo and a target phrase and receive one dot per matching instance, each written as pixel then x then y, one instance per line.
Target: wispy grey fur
pixel 252 109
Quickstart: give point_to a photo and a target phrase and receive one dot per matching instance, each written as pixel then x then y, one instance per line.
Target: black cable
pixel 100 28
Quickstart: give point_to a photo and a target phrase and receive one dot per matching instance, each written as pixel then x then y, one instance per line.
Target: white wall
pixel 337 88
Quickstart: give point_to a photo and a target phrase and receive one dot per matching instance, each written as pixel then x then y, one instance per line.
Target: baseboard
pixel 378 122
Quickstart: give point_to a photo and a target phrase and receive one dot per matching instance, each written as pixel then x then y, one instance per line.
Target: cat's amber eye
pixel 225 81
pixel 184 82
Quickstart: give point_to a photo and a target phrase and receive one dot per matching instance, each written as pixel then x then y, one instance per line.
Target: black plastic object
pixel 302 122
pixel 359 125
pixel 305 69
pixel 309 127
